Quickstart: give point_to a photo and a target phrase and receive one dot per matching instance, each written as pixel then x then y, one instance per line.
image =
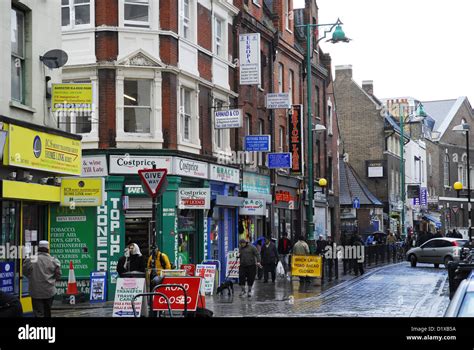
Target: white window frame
pixel 193 143
pixel 260 127
pixel 136 24
pixel 72 15
pixel 446 171
pixel 286 14
pixel 281 134
pixel 256 3
pixel 188 24
pixel 186 116
pixel 281 72
pixel 149 108
pixel 17 58
pixel 247 125
pixel 291 84
pixel 222 134
pixel 219 42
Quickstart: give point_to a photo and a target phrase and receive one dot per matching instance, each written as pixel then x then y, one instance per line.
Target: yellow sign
pixel 82 192
pixel 72 97
pixel 42 151
pixel 306 266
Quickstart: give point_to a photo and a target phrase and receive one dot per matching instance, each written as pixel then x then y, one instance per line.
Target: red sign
pixel 296 139
pixel 175 295
pixel 152 179
pixel 283 196
pixel 193 202
pixel 190 269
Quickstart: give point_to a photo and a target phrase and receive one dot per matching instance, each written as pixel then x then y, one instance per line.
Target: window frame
pixel 219 42
pixel 281 78
pixel 184 117
pixel 72 15
pixel 291 85
pixel 140 107
pixel 187 30
pixel 17 56
pixel 136 24
pixel 446 171
pixel 281 135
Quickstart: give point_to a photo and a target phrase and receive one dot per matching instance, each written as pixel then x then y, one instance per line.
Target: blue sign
pixel 279 161
pixel 7 276
pixel 98 289
pixel 356 203
pixel 422 200
pixel 258 143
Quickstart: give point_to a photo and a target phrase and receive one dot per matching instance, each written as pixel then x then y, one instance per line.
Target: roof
pixel 351 186
pixel 443 112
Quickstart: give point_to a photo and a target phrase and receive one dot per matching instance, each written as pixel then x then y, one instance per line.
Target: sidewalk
pixel 282 290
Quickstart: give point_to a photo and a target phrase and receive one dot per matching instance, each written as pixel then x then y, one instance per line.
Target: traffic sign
pixel 356 203
pixel 152 179
pixel 192 285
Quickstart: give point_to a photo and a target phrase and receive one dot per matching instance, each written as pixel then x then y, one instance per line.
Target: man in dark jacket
pixel 358 264
pixel 284 249
pixel 249 260
pixel 269 259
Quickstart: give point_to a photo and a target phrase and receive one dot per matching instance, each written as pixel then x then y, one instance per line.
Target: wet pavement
pixel 389 291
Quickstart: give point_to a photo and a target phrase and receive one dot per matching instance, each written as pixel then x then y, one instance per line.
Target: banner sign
pixel 192 285
pixel 208 275
pixel 228 119
pixel 249 59
pixel 72 97
pixel 98 288
pixel 194 198
pixel 94 166
pixel 252 207
pixel 224 174
pixel 82 192
pixel 296 139
pixel 279 161
pixel 126 289
pixel 278 101
pixel 306 266
pixel 258 143
pixel 42 151
pixel 127 164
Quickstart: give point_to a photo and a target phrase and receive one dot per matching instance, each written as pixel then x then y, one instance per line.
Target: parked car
pixel 462 303
pixel 437 251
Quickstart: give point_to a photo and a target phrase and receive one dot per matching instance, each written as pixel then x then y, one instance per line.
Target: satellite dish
pixel 54 59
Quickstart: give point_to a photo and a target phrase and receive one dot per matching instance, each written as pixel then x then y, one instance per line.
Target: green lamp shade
pixel 338 34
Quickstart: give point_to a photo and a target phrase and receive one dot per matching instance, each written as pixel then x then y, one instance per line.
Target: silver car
pixel 437 251
pixel 462 304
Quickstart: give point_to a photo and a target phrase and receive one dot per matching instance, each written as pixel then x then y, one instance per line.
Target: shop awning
pixel 29 191
pixel 433 219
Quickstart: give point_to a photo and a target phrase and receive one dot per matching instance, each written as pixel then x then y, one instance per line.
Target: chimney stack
pixel 344 71
pixel 368 86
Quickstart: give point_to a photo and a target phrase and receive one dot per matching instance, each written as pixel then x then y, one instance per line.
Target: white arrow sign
pixel 152 179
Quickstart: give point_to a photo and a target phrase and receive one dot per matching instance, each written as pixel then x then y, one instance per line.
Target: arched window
pixel 447 180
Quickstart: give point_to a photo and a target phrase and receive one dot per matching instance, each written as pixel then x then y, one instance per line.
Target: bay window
pixel 136 13
pixel 75 13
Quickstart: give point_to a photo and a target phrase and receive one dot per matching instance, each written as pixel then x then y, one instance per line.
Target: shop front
pixel 287 215
pixel 254 218
pixel 33 158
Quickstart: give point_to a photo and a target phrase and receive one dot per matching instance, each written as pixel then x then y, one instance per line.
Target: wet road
pixel 392 291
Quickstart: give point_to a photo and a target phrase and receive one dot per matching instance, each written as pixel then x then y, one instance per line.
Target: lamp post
pixel 338 36
pixel 465 128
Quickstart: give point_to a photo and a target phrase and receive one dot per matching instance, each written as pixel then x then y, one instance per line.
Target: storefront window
pixel 187 227
pixel 10 224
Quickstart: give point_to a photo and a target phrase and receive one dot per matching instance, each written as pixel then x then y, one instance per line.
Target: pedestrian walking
pixel 391 242
pixel 284 249
pixel 42 271
pixel 321 245
pixel 132 261
pixel 358 265
pixel 249 260
pixel 259 245
pixel 301 248
pixel 269 256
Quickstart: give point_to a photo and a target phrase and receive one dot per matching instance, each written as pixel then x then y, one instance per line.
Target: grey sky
pixel 418 48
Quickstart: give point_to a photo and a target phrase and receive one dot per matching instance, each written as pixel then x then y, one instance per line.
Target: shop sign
pixel 295 132
pixel 278 101
pixel 191 168
pixel 175 295
pixel 94 166
pixel 127 288
pixel 127 164
pixel 42 151
pixel 208 275
pixel 82 192
pixel 194 198
pixel 375 169
pixel 252 207
pixel 71 238
pixel 224 174
pixel 279 161
pixel 258 143
pixel 72 97
pixel 7 276
pixel 228 119
pixel 306 266
pixel 256 183
pixel 284 196
pixel 98 289
pixel 249 59
pixel 135 191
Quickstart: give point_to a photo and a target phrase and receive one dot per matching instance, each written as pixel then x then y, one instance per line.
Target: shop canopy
pixel 433 219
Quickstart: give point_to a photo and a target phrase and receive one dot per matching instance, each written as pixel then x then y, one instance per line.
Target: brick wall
pixel 205 120
pixel 106 46
pixel 170 110
pixel 169 19
pixel 204 18
pixel 205 66
pixel 169 50
pixel 107 125
pixel 106 13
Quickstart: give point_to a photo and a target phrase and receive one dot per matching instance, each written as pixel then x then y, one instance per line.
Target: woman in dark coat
pixel 132 261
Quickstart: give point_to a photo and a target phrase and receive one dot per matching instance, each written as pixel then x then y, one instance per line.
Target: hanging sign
pixel 249 59
pixel 228 119
pixel 295 125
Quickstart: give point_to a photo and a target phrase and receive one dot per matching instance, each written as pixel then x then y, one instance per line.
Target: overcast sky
pixel 418 48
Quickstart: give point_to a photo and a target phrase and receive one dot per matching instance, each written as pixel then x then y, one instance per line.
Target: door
pixel 428 252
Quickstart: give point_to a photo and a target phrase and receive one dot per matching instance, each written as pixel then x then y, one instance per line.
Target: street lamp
pixel 338 36
pixel 465 128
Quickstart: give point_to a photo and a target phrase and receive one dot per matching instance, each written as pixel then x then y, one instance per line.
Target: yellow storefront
pixel 34 160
